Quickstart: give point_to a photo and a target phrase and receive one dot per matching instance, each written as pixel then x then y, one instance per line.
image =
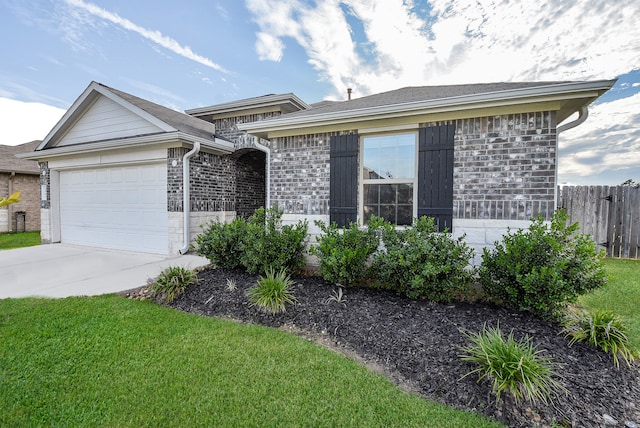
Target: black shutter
pixel 435 174
pixel 343 187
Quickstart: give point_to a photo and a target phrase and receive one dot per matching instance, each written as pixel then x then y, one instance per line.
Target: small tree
pixel 12 199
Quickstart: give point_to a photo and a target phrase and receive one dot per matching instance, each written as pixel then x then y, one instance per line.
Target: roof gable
pixel 102 113
pixel 106 119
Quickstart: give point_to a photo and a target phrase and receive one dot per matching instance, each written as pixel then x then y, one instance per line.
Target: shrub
pixel 513 366
pixel 172 281
pixel 343 252
pixel 543 268
pixel 272 292
pixel 222 243
pixel 271 245
pixel 603 330
pixel 419 261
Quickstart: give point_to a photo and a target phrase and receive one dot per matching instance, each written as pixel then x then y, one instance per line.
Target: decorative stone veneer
pixel 197 220
pixel 45 226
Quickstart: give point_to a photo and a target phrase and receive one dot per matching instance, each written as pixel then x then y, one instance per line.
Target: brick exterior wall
pixel 29 187
pixel 212 181
pixel 250 183
pixel 228 129
pixel 45 183
pixel 504 169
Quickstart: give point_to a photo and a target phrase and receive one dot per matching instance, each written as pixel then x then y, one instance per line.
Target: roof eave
pixel 555 92
pixel 217 145
pixel 252 103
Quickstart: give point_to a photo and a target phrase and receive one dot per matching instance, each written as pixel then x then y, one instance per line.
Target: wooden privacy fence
pixel 610 214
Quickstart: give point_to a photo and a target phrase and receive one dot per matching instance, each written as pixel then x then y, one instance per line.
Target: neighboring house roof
pixel 432 103
pixel 156 125
pixel 10 163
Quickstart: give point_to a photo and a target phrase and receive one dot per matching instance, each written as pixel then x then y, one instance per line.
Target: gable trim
pixel 84 102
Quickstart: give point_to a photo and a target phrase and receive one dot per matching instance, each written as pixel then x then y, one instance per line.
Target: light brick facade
pixel 29 187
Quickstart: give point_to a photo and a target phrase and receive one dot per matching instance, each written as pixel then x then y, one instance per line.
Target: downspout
pixel 186 197
pixel 583 113
pixel 267 172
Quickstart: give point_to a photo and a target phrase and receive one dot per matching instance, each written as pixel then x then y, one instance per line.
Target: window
pixel 389 177
pixel 394 176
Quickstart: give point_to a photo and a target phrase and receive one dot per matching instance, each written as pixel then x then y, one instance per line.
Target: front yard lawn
pixel 19 239
pixel 621 295
pixel 111 361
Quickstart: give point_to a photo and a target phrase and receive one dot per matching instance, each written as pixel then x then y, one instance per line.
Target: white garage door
pixel 116 207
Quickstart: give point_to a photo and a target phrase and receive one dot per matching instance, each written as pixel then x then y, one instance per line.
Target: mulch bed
pixel 417 345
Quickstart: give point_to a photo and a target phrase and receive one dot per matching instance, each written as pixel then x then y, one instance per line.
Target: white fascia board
pixel 216 145
pixel 555 92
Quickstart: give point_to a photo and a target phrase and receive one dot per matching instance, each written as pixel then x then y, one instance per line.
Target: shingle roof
pixel 415 94
pixel 180 121
pixel 10 163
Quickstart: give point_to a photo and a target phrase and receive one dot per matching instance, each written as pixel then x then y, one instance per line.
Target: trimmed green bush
pixel 172 282
pixel 222 243
pixel 542 268
pixel 513 366
pixel 420 262
pixel 271 245
pixel 343 252
pixel 272 293
pixel 604 330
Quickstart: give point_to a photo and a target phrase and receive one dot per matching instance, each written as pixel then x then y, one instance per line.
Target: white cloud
pixel 152 35
pixel 608 143
pixel 469 41
pixel 23 122
pixel 462 41
pixel 268 47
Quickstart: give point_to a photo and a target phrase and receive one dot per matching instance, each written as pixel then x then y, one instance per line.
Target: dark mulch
pixel 417 345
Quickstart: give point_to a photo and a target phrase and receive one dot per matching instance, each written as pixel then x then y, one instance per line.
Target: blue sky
pixel 195 53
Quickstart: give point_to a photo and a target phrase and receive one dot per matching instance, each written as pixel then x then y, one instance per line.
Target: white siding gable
pixel 105 120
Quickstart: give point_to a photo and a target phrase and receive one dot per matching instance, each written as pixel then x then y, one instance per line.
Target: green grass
pixel 621 295
pixel 19 239
pixel 110 361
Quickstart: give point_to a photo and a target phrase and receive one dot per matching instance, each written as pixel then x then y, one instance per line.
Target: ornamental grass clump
pixel 604 330
pixel 514 366
pixel 172 282
pixel 272 293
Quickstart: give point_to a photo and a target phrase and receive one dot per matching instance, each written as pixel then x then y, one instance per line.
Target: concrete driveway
pixel 62 270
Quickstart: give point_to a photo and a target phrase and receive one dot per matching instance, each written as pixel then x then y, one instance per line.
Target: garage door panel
pixel 116 207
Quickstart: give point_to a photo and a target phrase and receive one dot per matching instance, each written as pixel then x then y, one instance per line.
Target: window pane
pixel 405 215
pixel 405 193
pixel 387 193
pixel 389 156
pixel 371 194
pixel 393 202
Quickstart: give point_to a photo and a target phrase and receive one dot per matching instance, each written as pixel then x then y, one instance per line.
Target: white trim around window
pixel 388 176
